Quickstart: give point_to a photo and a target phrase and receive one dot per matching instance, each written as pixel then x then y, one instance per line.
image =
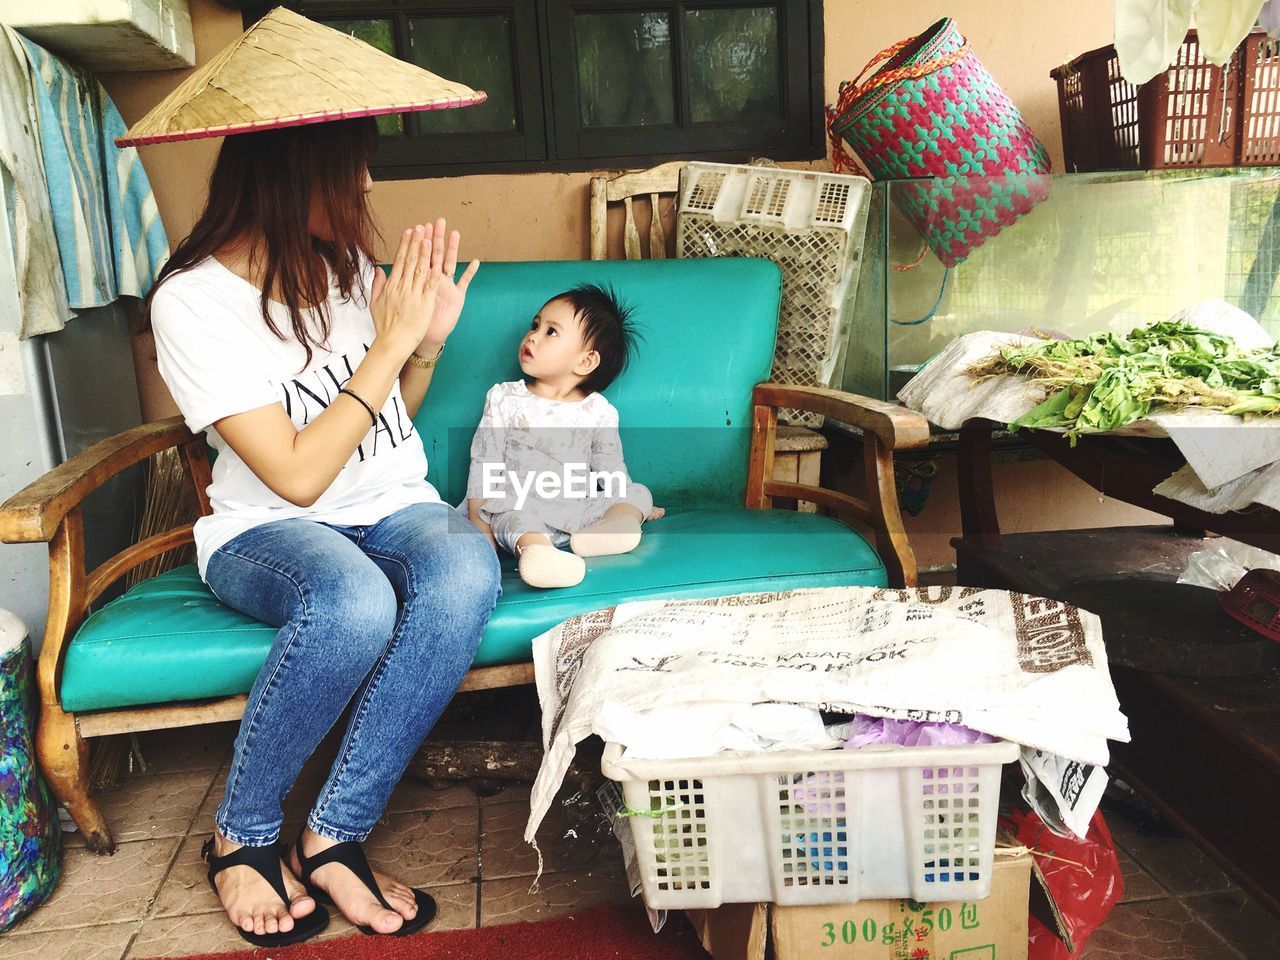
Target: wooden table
pixel 1206 748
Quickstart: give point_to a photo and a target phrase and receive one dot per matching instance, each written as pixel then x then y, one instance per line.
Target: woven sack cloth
pixel 931 110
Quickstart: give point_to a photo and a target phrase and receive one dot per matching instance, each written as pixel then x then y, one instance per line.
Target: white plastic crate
pixel 812 225
pixel 814 827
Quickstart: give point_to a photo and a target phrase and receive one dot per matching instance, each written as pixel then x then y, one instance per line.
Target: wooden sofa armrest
pixel 885 428
pixel 897 427
pixel 48 510
pixel 33 514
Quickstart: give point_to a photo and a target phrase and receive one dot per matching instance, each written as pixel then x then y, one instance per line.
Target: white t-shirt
pixel 218 358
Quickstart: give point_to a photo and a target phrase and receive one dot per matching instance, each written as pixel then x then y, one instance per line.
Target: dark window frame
pixel 550 137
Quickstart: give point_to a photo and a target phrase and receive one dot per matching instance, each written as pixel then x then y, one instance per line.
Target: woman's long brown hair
pixel 261 190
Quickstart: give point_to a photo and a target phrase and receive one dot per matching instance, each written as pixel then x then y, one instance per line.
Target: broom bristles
pixel 167 502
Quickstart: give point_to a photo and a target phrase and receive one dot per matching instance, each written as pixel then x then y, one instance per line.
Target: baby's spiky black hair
pixel 607 329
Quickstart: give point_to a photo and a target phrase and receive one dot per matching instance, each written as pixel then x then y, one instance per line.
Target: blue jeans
pixel 385 618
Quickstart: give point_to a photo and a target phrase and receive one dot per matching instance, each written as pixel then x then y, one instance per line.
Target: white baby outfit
pixel 524 437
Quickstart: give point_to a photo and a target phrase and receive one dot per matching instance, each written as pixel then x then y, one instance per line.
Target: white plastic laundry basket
pixel 813 827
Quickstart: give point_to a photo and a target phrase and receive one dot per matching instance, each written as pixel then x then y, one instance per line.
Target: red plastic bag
pixel 1083 876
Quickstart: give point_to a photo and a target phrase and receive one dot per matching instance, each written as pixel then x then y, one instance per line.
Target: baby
pixel 546 460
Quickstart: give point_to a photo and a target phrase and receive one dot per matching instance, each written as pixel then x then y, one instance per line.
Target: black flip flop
pixel 351 856
pixel 266 862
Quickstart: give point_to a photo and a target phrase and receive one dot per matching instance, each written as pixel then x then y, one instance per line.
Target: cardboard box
pixel 990 929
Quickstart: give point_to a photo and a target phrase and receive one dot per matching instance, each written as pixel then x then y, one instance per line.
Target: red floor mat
pixel 614 932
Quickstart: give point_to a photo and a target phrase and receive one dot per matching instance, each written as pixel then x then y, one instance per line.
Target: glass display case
pixel 1074 254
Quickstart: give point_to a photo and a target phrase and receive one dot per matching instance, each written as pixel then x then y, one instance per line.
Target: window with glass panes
pixel 577 84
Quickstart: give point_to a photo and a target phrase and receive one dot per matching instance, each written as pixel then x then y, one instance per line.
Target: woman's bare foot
pixel 350 895
pixel 251 903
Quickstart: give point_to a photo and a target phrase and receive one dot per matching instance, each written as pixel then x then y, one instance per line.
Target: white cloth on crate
pixel 218 358
pixel 523 437
pixel 1148 33
pixel 508 527
pixel 1025 669
pixel 1222 25
pixel 32 243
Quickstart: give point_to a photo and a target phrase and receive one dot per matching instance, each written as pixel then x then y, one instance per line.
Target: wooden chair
pixel 656 183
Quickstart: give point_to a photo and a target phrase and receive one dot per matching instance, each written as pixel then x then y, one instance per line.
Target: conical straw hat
pixel 286 71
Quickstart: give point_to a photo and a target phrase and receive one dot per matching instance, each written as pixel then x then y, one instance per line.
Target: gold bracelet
pixel 418 360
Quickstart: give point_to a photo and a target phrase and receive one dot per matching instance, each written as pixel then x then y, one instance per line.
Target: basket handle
pixel 841 158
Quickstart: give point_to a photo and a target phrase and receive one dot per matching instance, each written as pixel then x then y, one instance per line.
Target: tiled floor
pixel 151 899
pixel 1178 903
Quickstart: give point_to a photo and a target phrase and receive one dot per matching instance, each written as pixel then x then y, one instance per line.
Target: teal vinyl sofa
pixel 698 422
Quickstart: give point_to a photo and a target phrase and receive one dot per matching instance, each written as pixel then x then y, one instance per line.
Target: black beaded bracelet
pixel 373 417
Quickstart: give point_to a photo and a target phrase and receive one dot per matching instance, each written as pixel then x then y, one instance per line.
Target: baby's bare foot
pixel 542 565
pixel 607 537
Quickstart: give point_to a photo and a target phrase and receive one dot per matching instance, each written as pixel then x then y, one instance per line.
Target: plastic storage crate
pixel 814 827
pixel 811 225
pixel 1192 115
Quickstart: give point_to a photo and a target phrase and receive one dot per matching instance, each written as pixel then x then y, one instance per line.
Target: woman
pixel 277 334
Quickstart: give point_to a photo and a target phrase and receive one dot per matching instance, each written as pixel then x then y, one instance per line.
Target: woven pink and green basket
pixel 931 110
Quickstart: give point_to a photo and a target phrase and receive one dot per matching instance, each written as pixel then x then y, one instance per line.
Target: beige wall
pixel 543 216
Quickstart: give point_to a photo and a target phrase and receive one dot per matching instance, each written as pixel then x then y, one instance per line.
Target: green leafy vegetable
pixel 1105 381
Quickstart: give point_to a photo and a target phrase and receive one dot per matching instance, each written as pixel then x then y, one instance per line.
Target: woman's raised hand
pixel 421 298
pixel 404 304
pixel 450 294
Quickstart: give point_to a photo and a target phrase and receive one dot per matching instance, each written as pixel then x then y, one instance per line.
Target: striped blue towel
pixel 139 242
pixel 110 238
